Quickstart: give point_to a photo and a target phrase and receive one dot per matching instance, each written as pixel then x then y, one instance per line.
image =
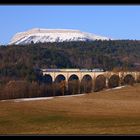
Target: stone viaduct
pixel 67 73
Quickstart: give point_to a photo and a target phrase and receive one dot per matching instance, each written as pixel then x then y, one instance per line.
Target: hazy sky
pixel 115 21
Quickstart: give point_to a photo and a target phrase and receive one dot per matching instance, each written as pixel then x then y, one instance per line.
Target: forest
pixel 22 62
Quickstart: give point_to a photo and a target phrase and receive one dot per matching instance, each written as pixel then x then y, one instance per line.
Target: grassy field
pixel 106 112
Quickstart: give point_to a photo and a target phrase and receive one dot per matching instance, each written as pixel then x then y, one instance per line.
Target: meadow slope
pixel 106 112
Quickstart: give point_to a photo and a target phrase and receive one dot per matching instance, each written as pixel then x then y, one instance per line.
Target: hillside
pixel 107 112
pixel 18 61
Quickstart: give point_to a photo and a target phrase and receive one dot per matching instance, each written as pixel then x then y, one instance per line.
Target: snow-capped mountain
pixel 53 35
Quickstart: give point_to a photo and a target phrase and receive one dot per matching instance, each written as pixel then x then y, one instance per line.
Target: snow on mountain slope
pixel 53 35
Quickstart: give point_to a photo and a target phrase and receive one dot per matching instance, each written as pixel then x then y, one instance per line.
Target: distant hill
pixel 37 35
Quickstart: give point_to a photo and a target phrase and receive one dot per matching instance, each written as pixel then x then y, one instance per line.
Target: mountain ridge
pixel 42 35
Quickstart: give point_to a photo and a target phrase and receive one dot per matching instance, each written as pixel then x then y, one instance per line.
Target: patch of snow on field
pixel 72 95
pixel 33 99
pixel 40 98
pixel 29 99
pixel 119 87
pixel 116 88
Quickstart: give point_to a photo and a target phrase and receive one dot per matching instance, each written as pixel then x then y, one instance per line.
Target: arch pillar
pixel 53 79
pixel 106 82
pixel 93 85
pixel 135 76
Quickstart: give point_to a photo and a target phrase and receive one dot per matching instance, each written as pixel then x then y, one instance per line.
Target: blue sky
pixel 115 21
